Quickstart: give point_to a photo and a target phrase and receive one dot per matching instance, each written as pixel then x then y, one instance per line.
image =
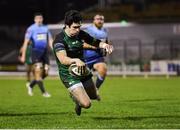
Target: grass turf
pixel 126 103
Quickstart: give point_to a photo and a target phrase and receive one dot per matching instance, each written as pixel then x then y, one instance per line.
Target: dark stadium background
pixel 21 12
pixel 17 15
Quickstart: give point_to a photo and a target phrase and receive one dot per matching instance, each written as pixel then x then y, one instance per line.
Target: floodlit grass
pixel 126 103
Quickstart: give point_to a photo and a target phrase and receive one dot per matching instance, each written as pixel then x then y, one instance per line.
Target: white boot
pixel 30 92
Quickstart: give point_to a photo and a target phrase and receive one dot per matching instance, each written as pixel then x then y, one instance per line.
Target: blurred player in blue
pixel 40 39
pixel 94 58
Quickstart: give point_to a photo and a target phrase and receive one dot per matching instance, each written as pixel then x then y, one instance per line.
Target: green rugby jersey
pixel 73 47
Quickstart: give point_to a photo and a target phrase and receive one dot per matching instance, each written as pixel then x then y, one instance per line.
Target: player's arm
pixel 20 54
pixel 61 54
pixel 27 38
pixel 23 50
pixel 64 59
pixel 96 42
pixel 88 46
pixel 109 48
pixel 50 40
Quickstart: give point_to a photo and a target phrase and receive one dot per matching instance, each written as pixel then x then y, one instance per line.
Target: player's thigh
pixel 90 88
pixel 100 67
pixel 38 69
pixel 79 93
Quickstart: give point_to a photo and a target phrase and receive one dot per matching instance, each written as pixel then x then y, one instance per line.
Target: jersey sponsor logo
pixel 41 37
pixel 74 42
pixel 71 83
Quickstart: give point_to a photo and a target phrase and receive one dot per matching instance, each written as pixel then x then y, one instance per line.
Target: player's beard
pixel 98 25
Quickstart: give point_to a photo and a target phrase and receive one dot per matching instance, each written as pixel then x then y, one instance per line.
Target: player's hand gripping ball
pixel 79 71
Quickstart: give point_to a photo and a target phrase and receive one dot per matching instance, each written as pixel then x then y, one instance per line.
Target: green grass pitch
pixel 126 103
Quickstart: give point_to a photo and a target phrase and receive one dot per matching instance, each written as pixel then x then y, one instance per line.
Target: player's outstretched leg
pixel 77 105
pixel 80 97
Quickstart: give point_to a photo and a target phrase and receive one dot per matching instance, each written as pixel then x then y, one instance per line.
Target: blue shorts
pixel 40 57
pixel 91 62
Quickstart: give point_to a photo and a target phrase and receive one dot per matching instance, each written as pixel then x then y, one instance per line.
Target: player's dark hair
pixel 72 16
pixel 97 15
pixel 38 14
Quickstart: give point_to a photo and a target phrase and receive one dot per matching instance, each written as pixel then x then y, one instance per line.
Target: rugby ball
pixel 73 70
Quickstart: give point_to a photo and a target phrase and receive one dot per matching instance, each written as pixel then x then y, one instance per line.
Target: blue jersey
pixel 101 34
pixel 38 35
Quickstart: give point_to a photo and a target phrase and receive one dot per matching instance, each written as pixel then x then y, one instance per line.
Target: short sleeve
pixel 29 33
pixel 58 44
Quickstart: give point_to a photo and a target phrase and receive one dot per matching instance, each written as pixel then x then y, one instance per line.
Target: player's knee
pixel 86 104
pixel 104 68
pixel 102 71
